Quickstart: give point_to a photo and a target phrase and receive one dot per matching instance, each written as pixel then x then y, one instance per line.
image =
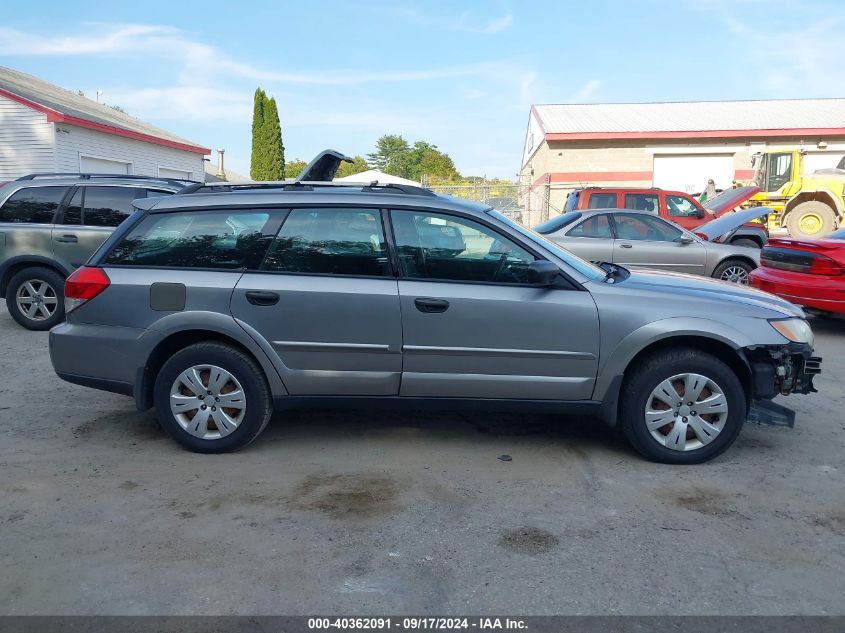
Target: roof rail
pixel 291 185
pixel 86 176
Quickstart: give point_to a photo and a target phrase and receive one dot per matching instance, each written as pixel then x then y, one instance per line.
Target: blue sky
pixel 460 75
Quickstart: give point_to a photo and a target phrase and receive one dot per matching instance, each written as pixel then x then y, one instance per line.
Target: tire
pixel 734 270
pixel 43 290
pixel 663 444
pixel 746 242
pixel 242 380
pixel 811 220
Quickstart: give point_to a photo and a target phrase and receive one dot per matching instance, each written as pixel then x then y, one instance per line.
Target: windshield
pixel 759 165
pixel 557 223
pixel 585 268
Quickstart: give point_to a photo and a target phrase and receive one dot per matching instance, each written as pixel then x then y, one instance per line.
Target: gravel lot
pixel 380 512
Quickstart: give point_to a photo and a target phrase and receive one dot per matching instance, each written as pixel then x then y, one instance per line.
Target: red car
pixel 811 274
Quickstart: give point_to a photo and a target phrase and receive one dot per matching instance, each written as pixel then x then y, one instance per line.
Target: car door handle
pixel 260 298
pixel 626 246
pixel 68 239
pixel 425 304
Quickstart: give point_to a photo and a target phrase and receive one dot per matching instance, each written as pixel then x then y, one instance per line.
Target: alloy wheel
pixel 207 401
pixel 735 274
pixel 37 299
pixel 686 412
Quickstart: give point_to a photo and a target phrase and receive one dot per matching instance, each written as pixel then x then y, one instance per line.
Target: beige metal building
pixel 676 146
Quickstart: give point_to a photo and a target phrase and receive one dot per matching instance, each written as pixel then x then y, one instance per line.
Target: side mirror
pixel 542 273
pixel 685 239
pixel 699 213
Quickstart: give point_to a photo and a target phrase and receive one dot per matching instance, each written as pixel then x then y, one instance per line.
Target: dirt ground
pixel 380 512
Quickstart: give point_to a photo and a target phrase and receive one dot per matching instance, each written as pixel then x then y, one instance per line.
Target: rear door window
pixel 597 226
pixel 642 202
pixel 600 200
pixel 108 206
pixel 33 205
pixel 198 239
pixel 331 241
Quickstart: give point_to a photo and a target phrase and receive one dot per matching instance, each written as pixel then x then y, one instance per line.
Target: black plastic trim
pixel 103 384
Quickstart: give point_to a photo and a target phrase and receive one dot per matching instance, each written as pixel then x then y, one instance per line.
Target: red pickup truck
pixel 675 206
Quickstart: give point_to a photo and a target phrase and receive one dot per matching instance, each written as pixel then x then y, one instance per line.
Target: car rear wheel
pixel 212 398
pixel 35 298
pixel 811 220
pixel 681 406
pixel 733 270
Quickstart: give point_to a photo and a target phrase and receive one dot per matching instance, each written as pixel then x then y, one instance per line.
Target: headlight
pixel 796 330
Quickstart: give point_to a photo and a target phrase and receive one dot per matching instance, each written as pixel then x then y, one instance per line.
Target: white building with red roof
pixel 677 146
pixel 45 128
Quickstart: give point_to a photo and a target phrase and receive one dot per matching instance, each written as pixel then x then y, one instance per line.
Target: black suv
pixel 51 224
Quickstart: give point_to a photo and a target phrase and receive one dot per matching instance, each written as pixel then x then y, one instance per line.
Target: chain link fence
pixel 529 204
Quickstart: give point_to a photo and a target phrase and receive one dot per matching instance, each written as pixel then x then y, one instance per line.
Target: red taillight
pixel 83 285
pixel 824 265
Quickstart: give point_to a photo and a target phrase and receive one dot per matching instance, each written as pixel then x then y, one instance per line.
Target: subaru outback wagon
pixel 52 223
pixel 223 302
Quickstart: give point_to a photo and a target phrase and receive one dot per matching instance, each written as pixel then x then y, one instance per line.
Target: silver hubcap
pixel 37 299
pixel 735 274
pixel 686 412
pixel 207 401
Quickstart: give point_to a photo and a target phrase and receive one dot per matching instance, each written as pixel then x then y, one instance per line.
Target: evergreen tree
pixel 274 150
pixel 256 167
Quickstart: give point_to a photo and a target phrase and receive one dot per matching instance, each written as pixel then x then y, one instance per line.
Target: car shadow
pixel 828 324
pixel 575 434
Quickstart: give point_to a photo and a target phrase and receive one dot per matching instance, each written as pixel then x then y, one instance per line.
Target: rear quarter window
pixel 33 205
pixel 198 239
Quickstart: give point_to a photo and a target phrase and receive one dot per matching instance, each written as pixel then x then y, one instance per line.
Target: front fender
pixel 615 362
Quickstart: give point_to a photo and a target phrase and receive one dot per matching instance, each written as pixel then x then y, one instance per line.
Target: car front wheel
pixel 733 270
pixel 212 398
pixel 681 406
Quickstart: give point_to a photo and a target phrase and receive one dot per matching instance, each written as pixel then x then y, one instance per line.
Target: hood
pixel 730 221
pixel 729 199
pixel 721 293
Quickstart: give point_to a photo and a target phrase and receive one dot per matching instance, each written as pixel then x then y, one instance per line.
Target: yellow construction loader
pixel 808 205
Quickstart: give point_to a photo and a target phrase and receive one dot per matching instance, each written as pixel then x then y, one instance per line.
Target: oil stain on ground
pixel 528 540
pixel 340 496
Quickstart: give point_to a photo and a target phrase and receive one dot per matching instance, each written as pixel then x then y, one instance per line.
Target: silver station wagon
pixel 224 302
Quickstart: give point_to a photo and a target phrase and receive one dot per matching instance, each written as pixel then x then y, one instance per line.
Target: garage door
pixel 690 172
pixel 89 165
pixel 179 174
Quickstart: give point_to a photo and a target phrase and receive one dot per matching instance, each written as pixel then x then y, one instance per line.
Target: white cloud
pixel 588 90
pixel 196 103
pixel 499 24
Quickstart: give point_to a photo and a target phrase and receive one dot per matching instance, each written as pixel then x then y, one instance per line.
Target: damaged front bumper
pixel 779 370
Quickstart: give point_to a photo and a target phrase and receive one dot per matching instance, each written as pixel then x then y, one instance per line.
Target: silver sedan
pixel 638 239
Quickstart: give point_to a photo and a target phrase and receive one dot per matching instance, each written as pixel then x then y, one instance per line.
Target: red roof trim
pixel 594 136
pixel 54 116
pixel 594 176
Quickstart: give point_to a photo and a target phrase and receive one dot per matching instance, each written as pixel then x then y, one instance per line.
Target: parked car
pixel 52 223
pixel 808 273
pixel 221 303
pixel 639 239
pixel 677 207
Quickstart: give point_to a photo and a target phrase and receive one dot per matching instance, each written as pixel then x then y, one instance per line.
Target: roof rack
pixel 86 176
pixel 372 187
